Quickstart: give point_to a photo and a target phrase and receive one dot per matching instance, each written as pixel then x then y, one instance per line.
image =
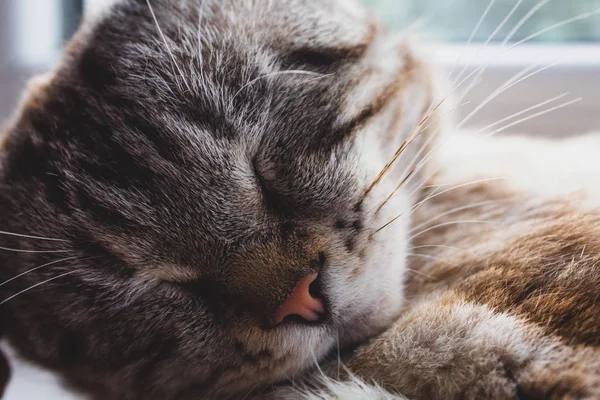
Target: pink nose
pixel 301 303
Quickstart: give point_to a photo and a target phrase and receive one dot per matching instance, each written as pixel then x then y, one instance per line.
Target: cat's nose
pixel 300 302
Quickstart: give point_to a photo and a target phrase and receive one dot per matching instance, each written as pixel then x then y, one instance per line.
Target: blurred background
pixel 557 42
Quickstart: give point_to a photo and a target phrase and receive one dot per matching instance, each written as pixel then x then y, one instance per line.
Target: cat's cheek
pixel 378 289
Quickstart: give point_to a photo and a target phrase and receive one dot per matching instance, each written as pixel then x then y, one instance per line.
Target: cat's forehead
pixel 234 68
pixel 300 23
pixel 278 24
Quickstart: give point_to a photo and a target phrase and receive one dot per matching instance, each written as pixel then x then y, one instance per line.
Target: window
pixel 557 40
pixel 32 33
pixel 456 20
pixel 561 32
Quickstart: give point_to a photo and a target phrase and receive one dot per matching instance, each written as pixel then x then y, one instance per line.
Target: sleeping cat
pixel 208 198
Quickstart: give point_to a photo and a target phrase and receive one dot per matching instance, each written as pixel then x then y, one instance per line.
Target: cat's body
pixel 175 182
pixel 504 293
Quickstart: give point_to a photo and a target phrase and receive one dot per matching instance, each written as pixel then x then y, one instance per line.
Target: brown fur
pixel 446 347
pixel 502 299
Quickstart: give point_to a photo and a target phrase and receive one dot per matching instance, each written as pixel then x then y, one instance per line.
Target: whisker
pixel 418 130
pixel 34 251
pixel 472 36
pixel 582 16
pixel 504 21
pixel 442 225
pixel 164 39
pixel 469 41
pixel 520 76
pixel 31 237
pixel 37 285
pixel 436 194
pixel 516 79
pixel 517 114
pixel 416 158
pixel 481 70
pixel 427 256
pixel 277 73
pixel 391 195
pixel 458 209
pixel 480 22
pixel 536 115
pixel 524 20
pixel 511 82
pixel 440 246
pixel 36 268
pixel 419 204
pixel 416 271
pixel 567 21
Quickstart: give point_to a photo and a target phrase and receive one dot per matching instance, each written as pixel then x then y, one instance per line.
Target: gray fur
pixel 195 159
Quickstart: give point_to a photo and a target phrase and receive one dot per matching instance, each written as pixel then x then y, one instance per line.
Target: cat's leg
pixel 449 348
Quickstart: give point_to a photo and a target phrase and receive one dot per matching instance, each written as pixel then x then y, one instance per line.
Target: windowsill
pixel 571 70
pixel 565 55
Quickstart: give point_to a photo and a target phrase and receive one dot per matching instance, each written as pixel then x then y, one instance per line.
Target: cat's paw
pixel 449 348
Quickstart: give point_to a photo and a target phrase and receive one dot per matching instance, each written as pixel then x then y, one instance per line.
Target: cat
pixel 187 203
pixel 209 198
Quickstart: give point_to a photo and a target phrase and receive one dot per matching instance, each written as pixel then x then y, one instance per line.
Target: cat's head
pixel 207 171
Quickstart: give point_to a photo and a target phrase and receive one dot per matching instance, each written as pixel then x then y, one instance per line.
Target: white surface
pixel 28 382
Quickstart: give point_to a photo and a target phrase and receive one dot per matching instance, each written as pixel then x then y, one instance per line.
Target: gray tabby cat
pixel 203 201
pixel 189 165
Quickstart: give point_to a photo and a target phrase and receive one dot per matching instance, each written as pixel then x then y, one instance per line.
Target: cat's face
pixel 198 159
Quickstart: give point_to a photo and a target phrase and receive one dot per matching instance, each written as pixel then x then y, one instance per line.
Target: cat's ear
pixel 36 89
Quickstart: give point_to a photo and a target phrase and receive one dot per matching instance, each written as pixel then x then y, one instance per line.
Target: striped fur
pixel 185 165
pixel 189 161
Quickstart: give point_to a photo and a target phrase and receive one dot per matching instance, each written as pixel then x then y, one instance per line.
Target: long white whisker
pixel 525 111
pixel 503 88
pixel 536 115
pixel 277 73
pixel 513 80
pixel 416 271
pixel 472 36
pixel 167 46
pixel 457 209
pixel 480 22
pixel 567 21
pixel 507 85
pixel 436 246
pixel 479 71
pixel 524 20
pixel 33 251
pixel 489 39
pixel 467 221
pixel 427 256
pixel 36 268
pixel 409 169
pixel 504 21
pixel 36 285
pixel 31 237
pixel 200 44
pixel 437 194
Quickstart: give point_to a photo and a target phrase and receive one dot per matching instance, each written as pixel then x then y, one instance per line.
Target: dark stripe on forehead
pixel 375 107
